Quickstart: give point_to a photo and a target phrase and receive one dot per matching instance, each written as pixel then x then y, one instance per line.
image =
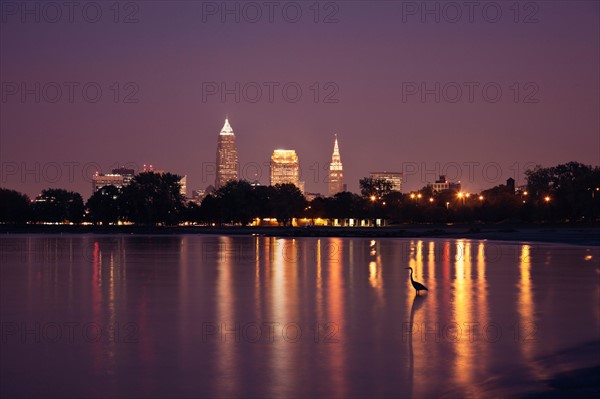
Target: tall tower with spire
pixel 227 158
pixel 336 171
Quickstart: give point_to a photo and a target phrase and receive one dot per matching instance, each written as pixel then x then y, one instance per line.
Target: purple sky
pixel 372 55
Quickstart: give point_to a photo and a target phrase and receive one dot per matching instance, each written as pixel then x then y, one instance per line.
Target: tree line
pixel 566 192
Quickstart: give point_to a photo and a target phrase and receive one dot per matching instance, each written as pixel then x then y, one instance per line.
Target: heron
pixel 416 285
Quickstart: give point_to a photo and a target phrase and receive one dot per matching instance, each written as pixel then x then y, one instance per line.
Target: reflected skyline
pixel 265 316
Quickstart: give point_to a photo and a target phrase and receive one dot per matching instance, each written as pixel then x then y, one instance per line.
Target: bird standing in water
pixel 416 285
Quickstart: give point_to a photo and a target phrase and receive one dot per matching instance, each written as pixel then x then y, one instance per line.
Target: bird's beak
pixel 407 268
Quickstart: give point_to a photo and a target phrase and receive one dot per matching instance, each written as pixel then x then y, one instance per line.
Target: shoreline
pixel 547 233
pixel 573 371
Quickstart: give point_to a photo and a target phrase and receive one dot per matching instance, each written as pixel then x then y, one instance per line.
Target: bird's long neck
pixel 411 272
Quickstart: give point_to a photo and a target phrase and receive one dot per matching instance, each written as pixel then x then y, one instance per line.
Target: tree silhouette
pixel 370 186
pixel 210 210
pixel 501 203
pixel 192 213
pixel 566 191
pixel 104 206
pixel 153 198
pixel 287 202
pixel 238 202
pixel 14 207
pixel 346 205
pixel 58 206
pixel 262 197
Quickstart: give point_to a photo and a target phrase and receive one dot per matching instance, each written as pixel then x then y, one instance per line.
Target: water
pixel 209 316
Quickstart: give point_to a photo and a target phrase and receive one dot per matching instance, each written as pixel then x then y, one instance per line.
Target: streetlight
pixel 373 198
pixel 547 198
pixel 412 195
pixel 419 195
pixel 431 199
pixel 481 198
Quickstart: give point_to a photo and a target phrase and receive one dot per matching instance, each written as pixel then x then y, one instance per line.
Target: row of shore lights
pixel 459 195
pixel 467 195
pixel 546 198
pixel 462 195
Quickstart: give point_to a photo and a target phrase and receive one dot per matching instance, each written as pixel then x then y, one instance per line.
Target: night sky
pixel 364 65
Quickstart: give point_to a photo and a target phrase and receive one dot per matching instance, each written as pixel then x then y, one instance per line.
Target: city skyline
pixel 166 113
pixel 227 167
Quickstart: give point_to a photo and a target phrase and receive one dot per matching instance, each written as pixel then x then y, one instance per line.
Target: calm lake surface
pixel 212 316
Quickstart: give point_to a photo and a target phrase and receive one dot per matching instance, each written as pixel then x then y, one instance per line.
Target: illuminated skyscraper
pixel 227 159
pixel 336 171
pixel 285 167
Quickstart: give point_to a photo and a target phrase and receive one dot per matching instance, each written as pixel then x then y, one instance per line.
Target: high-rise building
pixel 183 183
pixel 285 167
pixel 227 158
pixel 393 177
pixel 100 180
pixel 336 171
pixel 126 173
pixel 120 177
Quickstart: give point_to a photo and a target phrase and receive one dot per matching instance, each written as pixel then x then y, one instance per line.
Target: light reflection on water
pixel 258 316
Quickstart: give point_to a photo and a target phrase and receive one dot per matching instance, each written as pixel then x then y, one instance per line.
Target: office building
pixel 119 177
pixel 393 177
pixel 443 184
pixel 227 158
pixel 100 180
pixel 285 167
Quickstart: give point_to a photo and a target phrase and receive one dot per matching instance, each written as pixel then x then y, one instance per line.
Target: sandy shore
pixel 573 372
pixel 588 235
